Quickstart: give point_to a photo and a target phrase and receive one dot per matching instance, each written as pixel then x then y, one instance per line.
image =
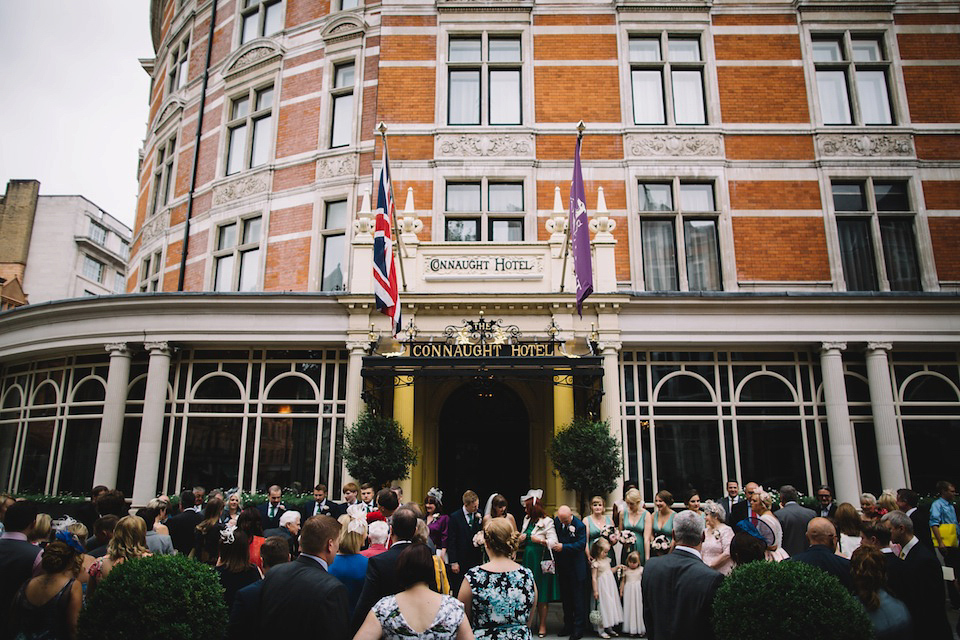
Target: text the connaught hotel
pixel 774 199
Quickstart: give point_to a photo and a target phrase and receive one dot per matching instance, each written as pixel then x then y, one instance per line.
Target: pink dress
pixel 715 544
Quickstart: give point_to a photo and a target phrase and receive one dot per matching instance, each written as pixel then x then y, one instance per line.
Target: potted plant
pixel 588 458
pixel 376 451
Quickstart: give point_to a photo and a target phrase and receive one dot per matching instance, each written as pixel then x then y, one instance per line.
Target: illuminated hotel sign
pixel 446 350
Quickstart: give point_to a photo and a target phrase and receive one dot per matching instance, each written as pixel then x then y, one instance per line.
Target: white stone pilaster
pixel 842 452
pixel 151 429
pixel 892 475
pixel 355 404
pixel 610 403
pixel 114 409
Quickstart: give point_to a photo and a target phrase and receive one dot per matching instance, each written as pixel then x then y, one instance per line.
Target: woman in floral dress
pixel 499 596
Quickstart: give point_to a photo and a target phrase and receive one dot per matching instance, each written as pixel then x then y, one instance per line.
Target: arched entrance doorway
pixel 484 445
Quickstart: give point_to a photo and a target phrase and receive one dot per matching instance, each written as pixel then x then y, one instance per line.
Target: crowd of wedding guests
pixel 375 566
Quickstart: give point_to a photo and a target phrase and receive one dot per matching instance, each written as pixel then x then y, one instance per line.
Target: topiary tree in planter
pixel 156 598
pixel 587 458
pixel 376 451
pixel 787 601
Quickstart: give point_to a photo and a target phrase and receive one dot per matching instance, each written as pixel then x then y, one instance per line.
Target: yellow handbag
pixel 948 535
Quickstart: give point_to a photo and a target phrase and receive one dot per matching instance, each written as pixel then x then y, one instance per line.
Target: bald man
pixel 572 571
pixel 741 510
pixel 822 536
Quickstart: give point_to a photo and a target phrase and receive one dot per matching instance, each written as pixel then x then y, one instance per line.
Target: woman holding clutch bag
pixel 536 534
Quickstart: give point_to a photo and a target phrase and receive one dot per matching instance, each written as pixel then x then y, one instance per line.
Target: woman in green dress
pixel 536 535
pixel 661 530
pixel 596 523
pixel 637 521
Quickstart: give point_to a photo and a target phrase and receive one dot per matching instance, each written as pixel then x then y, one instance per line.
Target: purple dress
pixel 438 531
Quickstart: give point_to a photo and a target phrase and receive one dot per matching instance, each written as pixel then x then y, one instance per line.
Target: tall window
pixel 680 244
pixel 177 75
pixel 150 271
pixel 852 79
pixel 163 178
pixel 348 4
pixel 98 234
pixel 484 80
pixel 260 18
pixel 251 130
pixel 341 127
pixel 484 211
pixel 92 269
pixel 875 225
pixel 667 76
pixel 333 235
pixel 119 283
pixel 237 256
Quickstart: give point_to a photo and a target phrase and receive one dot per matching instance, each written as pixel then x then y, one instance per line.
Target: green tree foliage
pixel 156 598
pixel 376 451
pixel 787 601
pixel 587 458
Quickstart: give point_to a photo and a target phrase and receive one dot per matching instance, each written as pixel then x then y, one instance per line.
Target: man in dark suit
pixel 17 556
pixel 828 506
pixel 183 524
pixel 678 588
pixel 300 597
pixel 742 509
pixel 272 509
pixel 731 499
pixel 876 534
pixel 463 525
pixel 572 571
pixel 244 621
pixel 822 536
pixel 320 505
pixel 289 530
pixel 925 580
pixel 794 520
pixel 907 501
pixel 87 513
pixel 381 578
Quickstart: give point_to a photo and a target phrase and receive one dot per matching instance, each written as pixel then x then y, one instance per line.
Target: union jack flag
pixel 384 267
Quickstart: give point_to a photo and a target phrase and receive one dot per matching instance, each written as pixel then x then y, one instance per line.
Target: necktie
pixel 273 511
pixel 903 555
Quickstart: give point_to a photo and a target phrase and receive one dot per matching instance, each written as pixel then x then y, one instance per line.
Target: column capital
pixel 358 345
pixel 879 346
pixel 830 346
pixel 117 349
pixel 610 345
pixel 161 347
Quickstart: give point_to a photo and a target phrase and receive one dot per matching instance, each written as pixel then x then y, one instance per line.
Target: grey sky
pixel 73 98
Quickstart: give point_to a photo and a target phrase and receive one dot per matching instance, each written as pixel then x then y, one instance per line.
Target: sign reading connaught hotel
pixel 775 271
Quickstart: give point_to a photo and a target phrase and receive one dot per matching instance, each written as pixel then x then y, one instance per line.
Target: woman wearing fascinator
pixel 234 568
pixel 437 521
pixel 537 534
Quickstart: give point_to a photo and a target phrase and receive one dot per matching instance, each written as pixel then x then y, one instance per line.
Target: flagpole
pixel 382 128
pixel 566 240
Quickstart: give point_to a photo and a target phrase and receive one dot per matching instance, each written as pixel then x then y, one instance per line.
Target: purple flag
pixel 580 235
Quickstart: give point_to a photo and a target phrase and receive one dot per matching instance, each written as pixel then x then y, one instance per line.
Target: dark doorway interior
pixel 484 445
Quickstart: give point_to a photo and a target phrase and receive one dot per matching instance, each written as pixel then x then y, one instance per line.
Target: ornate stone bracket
pixel 657 144
pixel 865 145
pixel 240 188
pixel 478 146
pixel 602 224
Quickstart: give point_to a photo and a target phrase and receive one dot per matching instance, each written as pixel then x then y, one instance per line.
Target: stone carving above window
pixel 655 144
pixel 344 27
pixel 253 55
pixel 865 145
pixel 154 228
pixel 170 110
pixel 475 146
pixel 336 166
pixel 240 188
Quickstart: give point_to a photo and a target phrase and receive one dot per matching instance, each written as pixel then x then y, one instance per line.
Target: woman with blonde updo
pixel 499 596
pixel 761 503
pixel 129 541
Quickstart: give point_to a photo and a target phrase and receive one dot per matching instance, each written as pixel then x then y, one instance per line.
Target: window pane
pixel 156 264
pixel 347 4
pixel 866 51
pixel 251 230
pixel 655 197
pixel 900 254
pixel 235 149
pixel 240 109
pixel 506 230
pixel 688 454
pixel 262 137
pixel 647 97
pixel 249 269
pixel 272 23
pixel 891 196
pixel 856 252
pixel 92 269
pixel 336 215
pixel 688 97
pixel 264 98
pixel 463 197
pixel 827 51
pixel 703 255
pixel 344 76
pixel 228 236
pixel 834 105
pixel 249 29
pixel 504 50
pixel 696 197
pixel 464 50
pixel 465 97
pixel 874 102
pixel 342 121
pixel 687 50
pixel 659 255
pixel 224 274
pixel 644 50
pixel 182 74
pixel 505 197
pixel 332 279
pixel 505 97
pixel 462 230
pixel 848 197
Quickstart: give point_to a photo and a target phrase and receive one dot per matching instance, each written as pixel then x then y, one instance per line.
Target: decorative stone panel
pixel 240 188
pixel 254 55
pixel 656 144
pixel 896 145
pixel 336 166
pixel 478 146
pixel 154 228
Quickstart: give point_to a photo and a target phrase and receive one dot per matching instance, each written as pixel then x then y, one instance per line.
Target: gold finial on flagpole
pixel 580 129
pixel 382 128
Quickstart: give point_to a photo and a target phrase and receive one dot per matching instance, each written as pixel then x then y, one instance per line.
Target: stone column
pixel 355 404
pixel 884 418
pixel 842 453
pixel 114 409
pixel 610 403
pixel 151 429
pixel 403 397
pixel 562 416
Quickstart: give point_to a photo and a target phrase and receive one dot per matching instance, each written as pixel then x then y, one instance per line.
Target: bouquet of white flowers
pixel 610 533
pixel 660 544
pixel 628 537
pixel 478 539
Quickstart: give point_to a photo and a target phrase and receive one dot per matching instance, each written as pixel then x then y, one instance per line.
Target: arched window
pixel 9 427
pixel 81 436
pixel 38 445
pixel 213 433
pixel 288 438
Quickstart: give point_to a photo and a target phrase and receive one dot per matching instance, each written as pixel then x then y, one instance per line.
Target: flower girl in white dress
pixel 632 596
pixel 605 589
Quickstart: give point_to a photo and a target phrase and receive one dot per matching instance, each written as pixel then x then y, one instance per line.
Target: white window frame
pixel 164 176
pixel 666 68
pixel 849 67
pixel 249 8
pixel 326 233
pixel 249 121
pixel 178 73
pixel 90 263
pixel 237 251
pixel 98 233
pixel 484 215
pixel 485 66
pixel 337 92
pixel 151 272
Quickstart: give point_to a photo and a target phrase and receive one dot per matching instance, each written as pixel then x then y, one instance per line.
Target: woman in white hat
pixel 536 536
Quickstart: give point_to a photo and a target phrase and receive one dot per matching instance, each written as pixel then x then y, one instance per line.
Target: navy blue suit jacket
pixel 460 547
pixel 268 522
pixel 823 557
pixel 244 621
pixel 572 558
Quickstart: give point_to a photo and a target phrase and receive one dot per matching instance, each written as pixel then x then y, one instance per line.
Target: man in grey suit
pixel 794 519
pixel 678 588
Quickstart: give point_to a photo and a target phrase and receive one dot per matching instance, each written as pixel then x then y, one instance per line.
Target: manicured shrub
pixel 588 458
pixel 376 450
